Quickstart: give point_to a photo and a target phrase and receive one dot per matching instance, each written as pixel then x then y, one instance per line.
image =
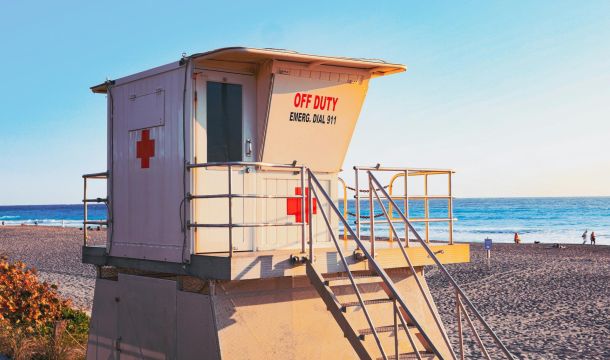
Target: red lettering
pixel 334 103
pixel 302 100
pixel 297 99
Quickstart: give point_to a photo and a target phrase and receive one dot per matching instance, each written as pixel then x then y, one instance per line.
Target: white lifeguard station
pixel 224 228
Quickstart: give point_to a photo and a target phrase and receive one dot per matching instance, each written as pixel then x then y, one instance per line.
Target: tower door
pixel 224 129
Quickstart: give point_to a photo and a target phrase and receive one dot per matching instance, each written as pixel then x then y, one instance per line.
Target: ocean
pixel 548 220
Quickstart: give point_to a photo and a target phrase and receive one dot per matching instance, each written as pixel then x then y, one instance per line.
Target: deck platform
pixel 270 264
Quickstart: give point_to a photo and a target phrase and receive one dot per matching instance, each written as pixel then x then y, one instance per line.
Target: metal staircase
pixel 384 329
pixel 374 317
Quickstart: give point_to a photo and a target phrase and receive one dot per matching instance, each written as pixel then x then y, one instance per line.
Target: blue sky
pixel 515 96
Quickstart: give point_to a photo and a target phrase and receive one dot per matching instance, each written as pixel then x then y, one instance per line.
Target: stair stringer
pixel 325 292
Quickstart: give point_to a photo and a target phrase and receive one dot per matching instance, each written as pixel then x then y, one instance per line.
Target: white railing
pixel 230 196
pixel 86 201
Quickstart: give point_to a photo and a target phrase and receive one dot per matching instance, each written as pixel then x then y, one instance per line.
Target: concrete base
pixel 140 317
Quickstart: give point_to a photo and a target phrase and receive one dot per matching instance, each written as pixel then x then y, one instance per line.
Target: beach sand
pixel 544 302
pixel 56 253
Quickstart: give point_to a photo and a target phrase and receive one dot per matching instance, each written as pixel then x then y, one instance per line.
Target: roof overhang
pixel 242 54
pixel 258 56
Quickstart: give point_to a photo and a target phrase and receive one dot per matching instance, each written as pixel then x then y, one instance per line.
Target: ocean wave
pixel 45 222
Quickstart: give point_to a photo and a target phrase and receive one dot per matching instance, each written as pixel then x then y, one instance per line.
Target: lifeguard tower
pixel 229 233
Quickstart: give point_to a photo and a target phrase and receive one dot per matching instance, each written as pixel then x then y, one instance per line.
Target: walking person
pixel 592 237
pixel 517 238
pixel 584 237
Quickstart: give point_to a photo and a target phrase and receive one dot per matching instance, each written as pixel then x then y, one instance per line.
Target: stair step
pixel 344 306
pixel 407 356
pixel 381 329
pixel 357 278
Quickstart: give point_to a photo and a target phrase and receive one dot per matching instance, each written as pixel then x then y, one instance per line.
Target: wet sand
pixel 545 303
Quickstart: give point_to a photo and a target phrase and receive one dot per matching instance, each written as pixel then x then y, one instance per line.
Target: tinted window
pixel 224 122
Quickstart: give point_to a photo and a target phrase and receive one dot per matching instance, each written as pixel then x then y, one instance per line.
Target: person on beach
pixel 592 237
pixel 517 239
pixel 584 236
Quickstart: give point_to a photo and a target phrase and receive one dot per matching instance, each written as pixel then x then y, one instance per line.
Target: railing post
pixel 396 352
pixel 345 204
pixel 474 330
pixel 309 215
pixel 391 190
pixel 459 324
pixel 372 218
pixel 406 175
pixel 357 202
pixel 426 208
pixel 230 177
pixel 450 209
pixel 84 211
pixel 303 195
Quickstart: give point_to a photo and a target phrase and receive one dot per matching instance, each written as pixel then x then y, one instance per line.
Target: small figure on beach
pixel 517 238
pixel 592 237
pixel 584 236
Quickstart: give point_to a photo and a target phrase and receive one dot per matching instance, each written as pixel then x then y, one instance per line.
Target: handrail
pixel 444 270
pixel 376 267
pixel 230 196
pixel 243 163
pixel 415 171
pixel 100 176
pixel 349 273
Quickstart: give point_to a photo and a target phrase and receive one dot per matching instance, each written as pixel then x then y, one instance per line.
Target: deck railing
pixel 86 201
pixel 230 195
pixel 405 198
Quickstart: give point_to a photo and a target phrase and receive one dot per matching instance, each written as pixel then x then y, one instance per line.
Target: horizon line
pixel 455 197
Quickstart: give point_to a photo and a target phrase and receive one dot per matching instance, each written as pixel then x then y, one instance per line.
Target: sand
pixel 544 302
pixel 56 253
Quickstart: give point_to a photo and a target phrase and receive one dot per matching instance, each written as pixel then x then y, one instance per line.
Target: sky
pixel 512 95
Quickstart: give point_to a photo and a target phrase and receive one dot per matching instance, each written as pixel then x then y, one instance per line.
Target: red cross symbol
pixel 145 149
pixel 293 205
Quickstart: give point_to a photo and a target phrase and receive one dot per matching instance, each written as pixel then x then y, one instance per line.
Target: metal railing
pixel 425 173
pixel 230 196
pixel 86 201
pixel 406 173
pixel 317 192
pixel 315 186
pixel 461 297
